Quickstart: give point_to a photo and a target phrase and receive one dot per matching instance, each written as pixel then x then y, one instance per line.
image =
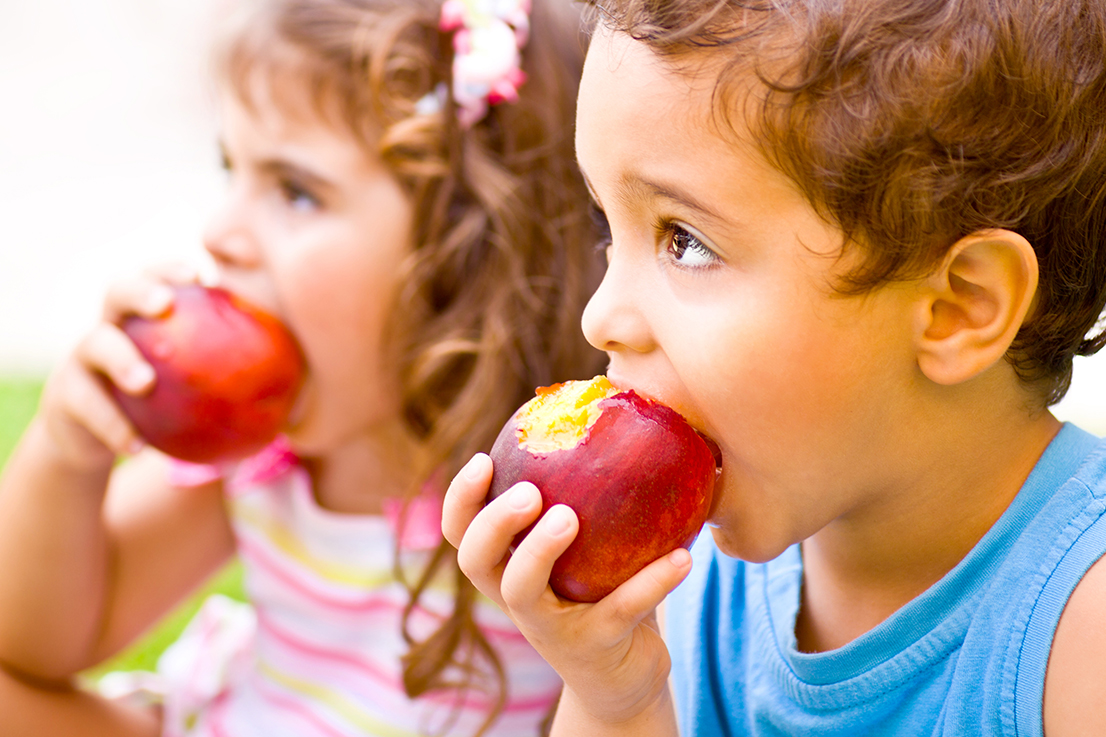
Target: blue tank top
pixel 966 657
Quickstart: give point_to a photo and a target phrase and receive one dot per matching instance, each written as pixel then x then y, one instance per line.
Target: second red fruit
pixel 227 376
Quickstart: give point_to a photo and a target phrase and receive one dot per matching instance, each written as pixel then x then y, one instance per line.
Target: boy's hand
pixel 610 654
pixel 83 422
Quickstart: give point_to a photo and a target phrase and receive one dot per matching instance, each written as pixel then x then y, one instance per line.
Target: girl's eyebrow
pixel 281 167
pixel 285 169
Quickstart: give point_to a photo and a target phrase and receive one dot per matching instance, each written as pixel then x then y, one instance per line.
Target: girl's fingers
pixel 108 350
pixel 526 578
pixel 145 295
pixel 174 272
pixel 465 497
pixel 635 599
pixel 484 548
pixel 93 415
pixel 103 418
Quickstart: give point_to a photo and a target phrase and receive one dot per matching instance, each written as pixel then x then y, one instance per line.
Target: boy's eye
pixel 688 250
pixel 602 226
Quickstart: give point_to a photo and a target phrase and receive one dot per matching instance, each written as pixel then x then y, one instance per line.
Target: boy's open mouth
pixel 714 451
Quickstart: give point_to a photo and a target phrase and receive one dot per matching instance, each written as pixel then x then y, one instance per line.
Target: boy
pixel 857 243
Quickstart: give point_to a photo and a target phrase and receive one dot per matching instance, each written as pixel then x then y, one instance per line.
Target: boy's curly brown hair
pixel 913 123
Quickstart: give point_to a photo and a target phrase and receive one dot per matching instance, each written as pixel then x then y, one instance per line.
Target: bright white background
pixel 107 155
pixel 108 163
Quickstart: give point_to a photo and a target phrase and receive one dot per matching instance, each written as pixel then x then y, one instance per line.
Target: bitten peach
pixel 638 476
pixel 227 376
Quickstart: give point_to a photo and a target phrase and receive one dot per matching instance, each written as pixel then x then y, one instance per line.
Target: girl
pixel 403 195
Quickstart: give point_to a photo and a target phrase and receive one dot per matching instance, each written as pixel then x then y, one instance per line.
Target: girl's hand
pixel 610 654
pixel 85 425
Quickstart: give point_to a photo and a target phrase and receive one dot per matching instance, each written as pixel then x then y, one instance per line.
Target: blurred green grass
pixel 18 401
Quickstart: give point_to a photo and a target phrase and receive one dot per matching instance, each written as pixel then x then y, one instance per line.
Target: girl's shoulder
pixel 271 462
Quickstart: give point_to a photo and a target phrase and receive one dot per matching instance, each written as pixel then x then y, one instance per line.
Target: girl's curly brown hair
pixel 504 258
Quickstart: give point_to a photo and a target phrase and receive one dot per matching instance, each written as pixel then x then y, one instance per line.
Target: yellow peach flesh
pixel 560 416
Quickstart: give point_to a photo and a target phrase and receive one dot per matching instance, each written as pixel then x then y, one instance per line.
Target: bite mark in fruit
pixel 560 416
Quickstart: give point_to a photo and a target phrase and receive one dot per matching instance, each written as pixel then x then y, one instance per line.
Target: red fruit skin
pixel 227 376
pixel 640 482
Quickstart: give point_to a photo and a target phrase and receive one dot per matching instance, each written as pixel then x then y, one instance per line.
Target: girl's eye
pixel 687 250
pixel 298 197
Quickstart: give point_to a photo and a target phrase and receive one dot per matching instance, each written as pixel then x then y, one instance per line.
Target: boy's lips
pixel 715 449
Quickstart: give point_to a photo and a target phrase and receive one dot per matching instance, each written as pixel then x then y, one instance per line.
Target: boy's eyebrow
pixel 633 186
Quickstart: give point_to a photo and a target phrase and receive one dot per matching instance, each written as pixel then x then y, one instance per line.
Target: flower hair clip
pixel 488 35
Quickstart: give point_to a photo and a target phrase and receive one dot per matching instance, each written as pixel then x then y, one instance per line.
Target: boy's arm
pixel 610 654
pixel 659 720
pixel 1076 678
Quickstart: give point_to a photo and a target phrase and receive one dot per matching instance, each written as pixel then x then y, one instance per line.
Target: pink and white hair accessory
pixel 488 35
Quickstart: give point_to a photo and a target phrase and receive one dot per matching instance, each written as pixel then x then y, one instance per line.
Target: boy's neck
pixel 864 566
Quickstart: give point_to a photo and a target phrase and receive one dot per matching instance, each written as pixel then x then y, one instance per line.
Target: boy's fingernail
pixel 472 470
pixel 521 496
pixel 557 520
pixel 680 558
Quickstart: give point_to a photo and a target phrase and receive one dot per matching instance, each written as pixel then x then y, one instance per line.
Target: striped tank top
pixel 318 649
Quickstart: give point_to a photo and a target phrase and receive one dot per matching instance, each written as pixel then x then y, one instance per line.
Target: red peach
pixel 638 476
pixel 227 375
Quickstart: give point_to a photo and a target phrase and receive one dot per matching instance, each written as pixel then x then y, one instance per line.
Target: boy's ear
pixel 974 304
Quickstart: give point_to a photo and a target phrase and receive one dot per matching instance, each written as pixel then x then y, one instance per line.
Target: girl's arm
pixel 86 571
pixel 610 654
pixel 92 555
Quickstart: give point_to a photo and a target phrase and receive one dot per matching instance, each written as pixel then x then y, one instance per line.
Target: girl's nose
pixel 613 319
pixel 229 238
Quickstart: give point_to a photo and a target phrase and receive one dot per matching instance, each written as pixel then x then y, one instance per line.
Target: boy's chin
pixel 760 551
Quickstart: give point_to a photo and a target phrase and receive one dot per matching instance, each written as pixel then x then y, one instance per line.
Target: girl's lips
pixel 303 401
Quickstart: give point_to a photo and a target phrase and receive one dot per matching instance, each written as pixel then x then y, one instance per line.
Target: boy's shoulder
pixel 1057 585
pixel 1076 676
pixel 1025 611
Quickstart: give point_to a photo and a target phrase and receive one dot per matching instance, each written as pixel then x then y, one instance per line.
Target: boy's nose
pixel 613 319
